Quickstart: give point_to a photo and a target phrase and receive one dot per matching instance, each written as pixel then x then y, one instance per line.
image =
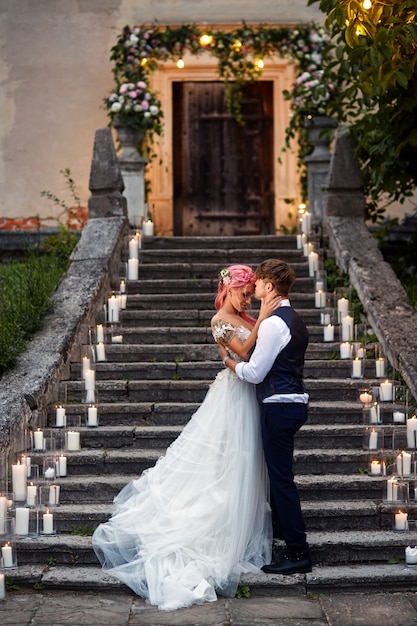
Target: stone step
pixel 194 299
pixel 129 459
pixel 155 269
pixel 330 389
pixel 178 413
pixel 273 243
pixel 160 369
pixel 193 286
pixel 327 548
pixel 219 257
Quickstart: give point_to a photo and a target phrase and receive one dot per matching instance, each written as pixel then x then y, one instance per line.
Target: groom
pixel 276 367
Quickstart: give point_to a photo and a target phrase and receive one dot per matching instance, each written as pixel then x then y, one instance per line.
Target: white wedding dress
pixel 192 524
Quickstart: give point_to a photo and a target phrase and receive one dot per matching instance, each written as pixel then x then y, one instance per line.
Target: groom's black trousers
pixel 280 421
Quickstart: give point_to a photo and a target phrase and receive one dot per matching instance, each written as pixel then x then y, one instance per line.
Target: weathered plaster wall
pixel 55 71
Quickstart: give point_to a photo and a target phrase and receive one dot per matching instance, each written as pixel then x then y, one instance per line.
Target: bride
pixel 191 525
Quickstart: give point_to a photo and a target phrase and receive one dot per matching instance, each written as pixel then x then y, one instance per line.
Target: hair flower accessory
pixel 224 276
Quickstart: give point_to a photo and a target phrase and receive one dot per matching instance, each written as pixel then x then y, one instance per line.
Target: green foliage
pixel 82 531
pixel 374 65
pixel 52 561
pixel 243 592
pixel 69 212
pixel 26 288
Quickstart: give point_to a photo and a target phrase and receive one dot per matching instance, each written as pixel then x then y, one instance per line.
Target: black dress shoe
pixel 290 564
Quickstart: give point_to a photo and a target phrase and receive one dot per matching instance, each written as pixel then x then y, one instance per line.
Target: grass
pixel 26 289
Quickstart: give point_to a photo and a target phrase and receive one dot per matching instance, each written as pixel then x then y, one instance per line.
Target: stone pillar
pixel 344 197
pixel 106 182
pixel 318 163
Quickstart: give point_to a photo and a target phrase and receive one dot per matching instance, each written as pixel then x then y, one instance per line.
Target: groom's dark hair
pixel 277 272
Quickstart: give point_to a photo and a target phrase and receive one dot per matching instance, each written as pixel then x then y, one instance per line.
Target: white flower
pixel 153 109
pixel 133 40
pixel 146 114
pixel 137 108
pixel 115 107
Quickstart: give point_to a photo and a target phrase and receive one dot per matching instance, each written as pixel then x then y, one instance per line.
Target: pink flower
pixel 145 105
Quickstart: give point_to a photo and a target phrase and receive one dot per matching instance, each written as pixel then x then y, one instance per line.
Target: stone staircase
pixel 152 383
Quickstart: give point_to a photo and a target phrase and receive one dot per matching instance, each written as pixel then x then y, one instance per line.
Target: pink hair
pixel 239 276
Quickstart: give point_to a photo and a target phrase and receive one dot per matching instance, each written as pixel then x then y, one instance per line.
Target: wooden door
pixel 223 170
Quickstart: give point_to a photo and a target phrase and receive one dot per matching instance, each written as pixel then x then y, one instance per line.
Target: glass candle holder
pixel 357 368
pixel 8 544
pixel 91 419
pixel 373 438
pixel 73 443
pixel 2 580
pixel 400 520
pixel 47 522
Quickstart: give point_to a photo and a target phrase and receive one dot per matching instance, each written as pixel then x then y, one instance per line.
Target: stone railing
pixel 384 299
pixel 26 391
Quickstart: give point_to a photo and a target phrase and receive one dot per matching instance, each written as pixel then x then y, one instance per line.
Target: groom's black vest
pixel 286 373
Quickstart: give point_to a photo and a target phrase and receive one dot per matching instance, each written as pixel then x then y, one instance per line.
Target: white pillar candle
pixel 147 228
pixel 38 441
pixel 2 586
pixel 374 413
pixel 100 352
pixel 122 286
pixel 54 495
pixel 398 417
pixel 19 481
pixel 117 338
pixel 320 299
pixel 342 308
pixel 73 441
pixel 85 365
pixel 357 368
pixel 404 464
pixel 31 494
pixel 325 319
pixel 99 333
pixel 401 521
pixel 328 332
pixel 392 490
pixel 360 353
pixel 49 473
pixel 26 460
pixel 133 248
pixel 60 416
pixel 113 307
pixel 132 269
pixel 373 440
pixel 22 521
pixel 122 301
pixel 380 371
pixel 376 468
pixel 92 416
pixel 90 379
pixel 365 398
pixel 48 523
pixel 306 222
pixel 347 328
pixel 345 350
pixel 299 242
pixel 385 391
pixel 62 466
pixel 313 263
pixel 3 512
pixel 412 432
pixel 7 555
pixel 411 555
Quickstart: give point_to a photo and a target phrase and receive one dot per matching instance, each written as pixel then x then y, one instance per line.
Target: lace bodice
pixel 225 331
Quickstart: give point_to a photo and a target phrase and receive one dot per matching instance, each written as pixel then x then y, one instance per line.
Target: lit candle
pixel 385 391
pixel 132 269
pixel 342 308
pixel 313 262
pixel 411 555
pixel 73 441
pixel 113 307
pixel 85 365
pixel 373 440
pixel 147 228
pixel 375 468
pixel 31 495
pixel 100 352
pixel 99 333
pixel 380 367
pixel 347 328
pixel 122 301
pixel 60 416
pixel 306 222
pixel 90 379
pixel 325 319
pixel 345 350
pixel 357 368
pixel 299 242
pixel 133 248
pixel 19 481
pixel 320 299
pixel 404 463
pixel 360 353
pixel 22 521
pixel 400 521
pixel 92 416
pixel 392 489
pixel 328 332
pixel 365 398
pixel 62 466
pixel 38 441
pixel 6 553
pixel 122 289
pixel 374 413
pixel 26 460
pixel 48 523
pixel 398 417
pixel 54 495
pixel 412 432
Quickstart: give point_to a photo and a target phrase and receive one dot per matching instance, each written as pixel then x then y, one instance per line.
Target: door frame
pixel 160 171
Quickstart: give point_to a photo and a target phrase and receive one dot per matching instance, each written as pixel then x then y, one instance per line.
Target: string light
pixel 260 63
pixel 367 4
pixel 206 40
pixel 180 64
